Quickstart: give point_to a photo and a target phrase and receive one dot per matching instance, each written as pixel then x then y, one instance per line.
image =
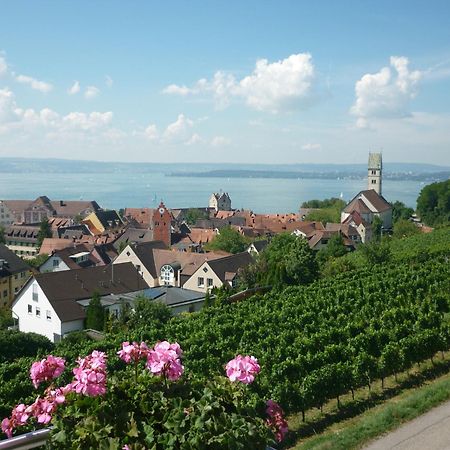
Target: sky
pixel 225 81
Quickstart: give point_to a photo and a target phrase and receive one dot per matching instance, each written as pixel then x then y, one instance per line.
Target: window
pixel 48 314
pixel 16 276
pixel 200 282
pixel 16 289
pixel 205 269
pixel 167 274
pixel 56 262
pixel 374 172
pixel 374 181
pixel 5 293
pixel 209 282
pixel 35 293
pixel 38 311
pixel 30 309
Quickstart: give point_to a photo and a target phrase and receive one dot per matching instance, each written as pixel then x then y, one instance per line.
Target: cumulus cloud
pixel 178 130
pixel 151 132
pixel 387 93
pixel 13 117
pixel 37 85
pixel 273 87
pixel 91 92
pixel 194 139
pixel 74 89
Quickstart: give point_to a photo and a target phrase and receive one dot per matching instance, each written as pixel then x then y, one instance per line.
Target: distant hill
pixel 401 171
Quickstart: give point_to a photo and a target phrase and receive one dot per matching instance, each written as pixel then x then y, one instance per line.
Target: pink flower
pixel 164 359
pixel 90 375
pixel 47 369
pixel 276 422
pixel 7 427
pixel 19 416
pixel 133 352
pixel 243 369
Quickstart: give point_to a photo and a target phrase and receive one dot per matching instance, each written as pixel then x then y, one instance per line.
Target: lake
pixel 127 189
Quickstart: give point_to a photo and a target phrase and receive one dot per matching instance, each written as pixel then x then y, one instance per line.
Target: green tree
pixel 400 212
pixel 2 235
pixel 287 260
pixel 433 203
pixel 228 240
pixel 326 203
pixel 377 225
pixel 376 252
pixel 194 214
pixel 334 249
pixel 149 313
pixel 404 228
pixel 45 231
pixel 95 313
pixel 38 260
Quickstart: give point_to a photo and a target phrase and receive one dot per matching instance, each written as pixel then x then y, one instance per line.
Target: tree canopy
pixel 45 231
pixel 287 260
pixel 95 313
pixel 433 203
pixel 228 240
pixel 400 211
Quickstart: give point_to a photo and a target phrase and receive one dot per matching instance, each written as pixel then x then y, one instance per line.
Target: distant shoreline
pixel 337 175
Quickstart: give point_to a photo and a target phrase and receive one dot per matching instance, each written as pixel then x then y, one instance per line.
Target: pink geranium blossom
pixel 243 369
pixel 19 416
pixel 133 352
pixel 164 359
pixel 276 421
pixel 90 375
pixel 46 369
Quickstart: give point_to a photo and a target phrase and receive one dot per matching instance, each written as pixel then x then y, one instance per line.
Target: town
pixel 162 254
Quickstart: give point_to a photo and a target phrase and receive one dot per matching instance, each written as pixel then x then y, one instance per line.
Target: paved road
pixel 430 431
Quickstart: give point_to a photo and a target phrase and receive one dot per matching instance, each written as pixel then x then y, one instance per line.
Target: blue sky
pixel 229 81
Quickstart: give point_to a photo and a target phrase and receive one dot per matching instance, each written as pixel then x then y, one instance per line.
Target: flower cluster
pixel 276 421
pixel 243 369
pixel 164 359
pixel 133 352
pixel 90 375
pixel 47 369
pixel 19 416
pixel 42 409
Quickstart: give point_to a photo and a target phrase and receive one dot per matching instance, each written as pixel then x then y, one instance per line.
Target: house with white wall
pixel 54 304
pixel 218 272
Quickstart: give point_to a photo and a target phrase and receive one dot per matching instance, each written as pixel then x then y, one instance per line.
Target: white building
pixel 220 201
pixel 53 304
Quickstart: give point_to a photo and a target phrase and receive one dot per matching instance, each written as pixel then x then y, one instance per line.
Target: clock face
pixel 161 210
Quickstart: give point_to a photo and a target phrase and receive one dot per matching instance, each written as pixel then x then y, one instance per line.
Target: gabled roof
pixel 11 264
pixel 363 200
pixel 109 219
pixel 67 255
pixel 144 251
pixel 377 200
pixel 224 268
pixel 134 236
pixel 260 245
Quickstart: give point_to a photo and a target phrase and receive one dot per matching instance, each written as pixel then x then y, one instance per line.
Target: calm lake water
pixel 118 190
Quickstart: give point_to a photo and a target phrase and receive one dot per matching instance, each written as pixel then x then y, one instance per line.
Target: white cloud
pixel 219 141
pixel 311 146
pixel 178 130
pixel 3 66
pixel 91 92
pixel 273 87
pixel 194 139
pixel 86 122
pixel 109 81
pixel 385 94
pixel 151 132
pixel 37 85
pixel 74 89
pixel 8 107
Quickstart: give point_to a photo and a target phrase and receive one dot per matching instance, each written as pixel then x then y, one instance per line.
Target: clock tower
pixel 161 224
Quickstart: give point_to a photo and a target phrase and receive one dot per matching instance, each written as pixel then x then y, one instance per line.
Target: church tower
pixel 374 172
pixel 161 224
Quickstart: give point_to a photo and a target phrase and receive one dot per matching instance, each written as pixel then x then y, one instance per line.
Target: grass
pixel 373 413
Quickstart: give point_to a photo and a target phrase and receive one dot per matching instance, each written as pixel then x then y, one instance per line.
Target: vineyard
pixel 314 343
